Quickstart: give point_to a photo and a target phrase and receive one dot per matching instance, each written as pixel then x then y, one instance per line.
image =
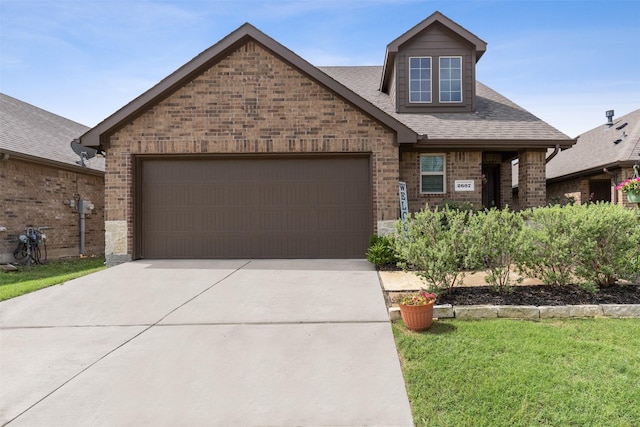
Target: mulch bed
pixel 541 295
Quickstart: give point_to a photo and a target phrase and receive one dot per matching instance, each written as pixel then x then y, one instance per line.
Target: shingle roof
pixel 35 133
pixel 597 148
pixel 496 118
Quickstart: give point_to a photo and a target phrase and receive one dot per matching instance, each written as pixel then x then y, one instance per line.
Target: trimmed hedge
pixel 592 245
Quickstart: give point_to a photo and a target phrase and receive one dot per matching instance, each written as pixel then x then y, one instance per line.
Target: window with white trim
pixel 420 80
pixel 451 79
pixel 432 173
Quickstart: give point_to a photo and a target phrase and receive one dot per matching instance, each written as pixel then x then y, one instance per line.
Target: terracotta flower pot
pixel 633 197
pixel 417 317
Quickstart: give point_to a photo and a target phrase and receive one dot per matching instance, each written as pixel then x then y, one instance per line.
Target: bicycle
pixel 30 244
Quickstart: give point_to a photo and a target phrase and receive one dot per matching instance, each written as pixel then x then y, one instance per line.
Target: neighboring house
pixel 38 178
pixel 602 158
pixel 249 151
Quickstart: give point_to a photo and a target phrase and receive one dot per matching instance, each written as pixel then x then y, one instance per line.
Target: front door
pixel 600 190
pixel 491 186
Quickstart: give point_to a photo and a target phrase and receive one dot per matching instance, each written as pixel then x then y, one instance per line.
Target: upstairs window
pixel 432 173
pixel 451 79
pixel 419 79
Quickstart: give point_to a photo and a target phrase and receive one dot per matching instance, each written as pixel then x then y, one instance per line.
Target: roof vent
pixel 622 126
pixel 609 115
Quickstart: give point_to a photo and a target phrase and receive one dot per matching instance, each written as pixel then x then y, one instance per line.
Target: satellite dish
pixel 85 153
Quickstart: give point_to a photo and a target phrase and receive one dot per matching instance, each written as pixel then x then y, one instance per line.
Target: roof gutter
pixel 7 154
pixel 552 155
pixel 593 171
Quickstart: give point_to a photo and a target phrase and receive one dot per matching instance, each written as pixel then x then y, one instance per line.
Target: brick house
pixel 602 157
pixel 38 178
pixel 249 151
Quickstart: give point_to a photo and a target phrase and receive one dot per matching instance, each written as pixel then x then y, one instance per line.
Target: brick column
pixel 532 179
pixel 506 184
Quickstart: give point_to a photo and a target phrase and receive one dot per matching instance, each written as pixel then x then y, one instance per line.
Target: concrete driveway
pixel 204 343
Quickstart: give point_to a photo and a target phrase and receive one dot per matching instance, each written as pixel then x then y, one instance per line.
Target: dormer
pixel 432 67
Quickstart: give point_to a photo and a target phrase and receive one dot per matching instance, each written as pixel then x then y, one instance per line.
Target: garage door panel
pixel 255 208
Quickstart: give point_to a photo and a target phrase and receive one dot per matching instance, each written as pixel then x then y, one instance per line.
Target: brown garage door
pixel 254 208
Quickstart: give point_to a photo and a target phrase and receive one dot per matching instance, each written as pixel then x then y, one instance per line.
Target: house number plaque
pixel 465 185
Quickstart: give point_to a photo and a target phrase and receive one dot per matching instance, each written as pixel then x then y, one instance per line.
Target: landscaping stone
pixel 585 311
pixel 444 311
pixel 621 310
pixel 519 311
pixel 553 311
pixel 394 314
pixel 475 312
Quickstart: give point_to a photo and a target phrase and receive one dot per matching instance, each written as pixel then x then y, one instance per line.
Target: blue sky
pixel 566 61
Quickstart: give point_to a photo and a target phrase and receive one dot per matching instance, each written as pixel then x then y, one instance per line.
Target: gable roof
pixel 597 149
pixel 497 123
pixel 436 17
pixel 208 58
pixel 34 134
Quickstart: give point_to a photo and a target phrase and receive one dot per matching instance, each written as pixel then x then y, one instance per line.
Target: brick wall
pixel 249 102
pixel 578 188
pixel 34 194
pixel 620 176
pixel 459 165
pixel 564 191
pixel 531 179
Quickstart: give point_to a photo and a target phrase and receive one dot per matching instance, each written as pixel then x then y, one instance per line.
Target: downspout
pixel 82 217
pixel 615 184
pixel 552 155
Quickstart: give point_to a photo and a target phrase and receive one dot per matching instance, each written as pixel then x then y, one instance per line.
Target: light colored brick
pixel 621 310
pixel 443 311
pixel 475 312
pixel 553 311
pixel 394 314
pixel 585 311
pixel 519 312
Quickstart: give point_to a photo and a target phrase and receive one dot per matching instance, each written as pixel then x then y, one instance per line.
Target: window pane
pixel 432 184
pixel 432 164
pixel 419 79
pixel 450 79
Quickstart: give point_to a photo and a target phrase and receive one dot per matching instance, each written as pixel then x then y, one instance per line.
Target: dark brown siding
pixel 258 207
pixel 435 42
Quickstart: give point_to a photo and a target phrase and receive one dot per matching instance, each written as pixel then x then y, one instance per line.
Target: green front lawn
pixel 578 372
pixel 29 279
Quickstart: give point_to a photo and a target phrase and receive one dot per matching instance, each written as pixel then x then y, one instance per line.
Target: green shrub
pixel 609 246
pixel 433 244
pixel 550 244
pixel 589 245
pixel 381 251
pixel 494 245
